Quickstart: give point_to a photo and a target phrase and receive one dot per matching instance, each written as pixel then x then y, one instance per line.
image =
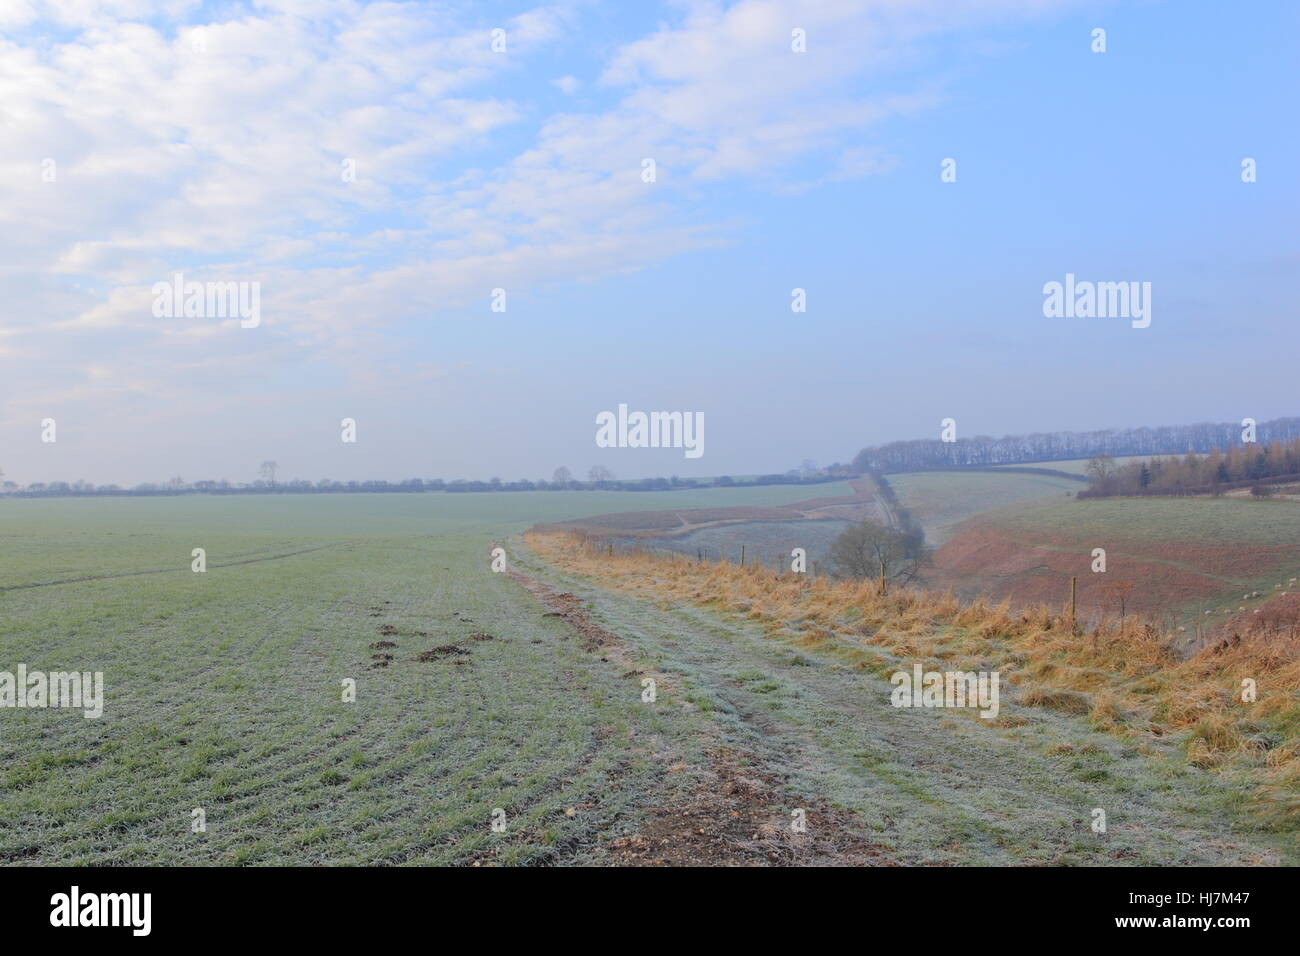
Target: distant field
pixel 844 501
pixel 940 500
pixel 1226 522
pixel 765 542
pixel 48 538
pixel 1183 556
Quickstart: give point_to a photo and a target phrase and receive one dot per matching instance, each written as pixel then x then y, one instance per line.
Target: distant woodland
pixel 1259 467
pixel 1201 439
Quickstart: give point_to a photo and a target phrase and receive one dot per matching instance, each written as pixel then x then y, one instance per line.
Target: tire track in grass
pixel 738 812
pixel 134 574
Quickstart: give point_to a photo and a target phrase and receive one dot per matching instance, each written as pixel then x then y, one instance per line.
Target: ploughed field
pixel 1174 557
pixel 523 692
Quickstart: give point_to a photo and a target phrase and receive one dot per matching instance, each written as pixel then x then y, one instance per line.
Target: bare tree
pixel 860 551
pixel 562 477
pixel 268 470
pixel 1101 468
pixel 1118 591
pixel 600 473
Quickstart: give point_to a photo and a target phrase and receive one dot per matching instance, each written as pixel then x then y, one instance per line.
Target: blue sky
pixel 520 170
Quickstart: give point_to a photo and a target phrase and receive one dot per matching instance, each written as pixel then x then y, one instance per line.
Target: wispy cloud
pixel 217 147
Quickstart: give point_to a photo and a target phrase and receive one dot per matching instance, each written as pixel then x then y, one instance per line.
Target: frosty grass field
pixel 223 688
pixel 223 695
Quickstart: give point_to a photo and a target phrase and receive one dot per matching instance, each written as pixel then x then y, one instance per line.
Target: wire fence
pixel 749 554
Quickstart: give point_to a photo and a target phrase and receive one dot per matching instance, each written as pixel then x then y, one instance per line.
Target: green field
pixel 940 500
pixel 223 688
pixel 223 693
pixel 1203 520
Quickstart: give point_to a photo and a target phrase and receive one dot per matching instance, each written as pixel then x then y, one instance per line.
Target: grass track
pixel 933 786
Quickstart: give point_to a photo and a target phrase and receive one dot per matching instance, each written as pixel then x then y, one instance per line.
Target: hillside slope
pixel 1176 557
pixel 806 706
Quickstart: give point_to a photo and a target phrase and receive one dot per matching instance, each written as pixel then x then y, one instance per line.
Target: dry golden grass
pixel 1123 674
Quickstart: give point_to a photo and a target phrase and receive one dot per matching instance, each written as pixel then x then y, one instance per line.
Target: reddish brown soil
pixel 446 650
pixel 736 817
pixel 1034 567
pixel 569 608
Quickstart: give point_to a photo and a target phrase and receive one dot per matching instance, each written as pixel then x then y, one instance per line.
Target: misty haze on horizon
pixel 471 229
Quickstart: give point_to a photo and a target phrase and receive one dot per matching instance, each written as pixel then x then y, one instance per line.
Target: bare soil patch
pixel 445 650
pixel 737 816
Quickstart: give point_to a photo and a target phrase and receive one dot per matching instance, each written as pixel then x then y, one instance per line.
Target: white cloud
pixel 224 161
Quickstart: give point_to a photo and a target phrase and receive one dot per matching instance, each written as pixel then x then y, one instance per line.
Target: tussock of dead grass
pixel 1123 674
pixel 1106 714
pixel 1067 701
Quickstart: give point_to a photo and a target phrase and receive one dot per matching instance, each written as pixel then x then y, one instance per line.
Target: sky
pixel 377 170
